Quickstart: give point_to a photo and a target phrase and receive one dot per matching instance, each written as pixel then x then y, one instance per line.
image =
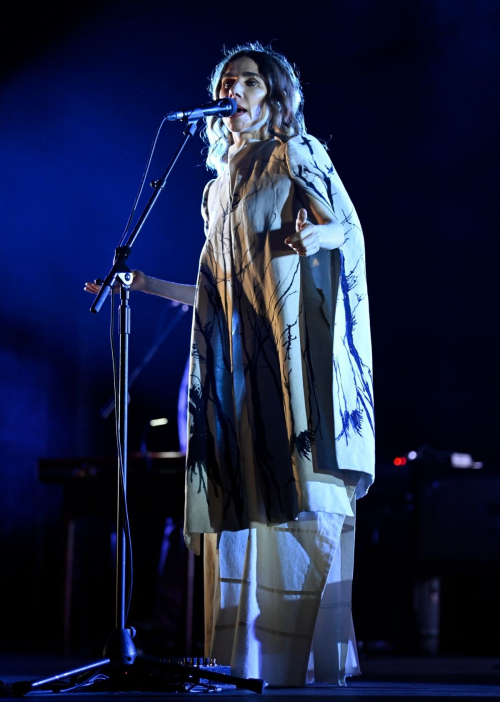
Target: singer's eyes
pixel 227 84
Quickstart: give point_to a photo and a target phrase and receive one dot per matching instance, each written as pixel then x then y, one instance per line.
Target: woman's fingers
pixel 301 219
pixel 300 235
pixel 306 241
pixel 302 228
pixel 95 287
pixel 138 283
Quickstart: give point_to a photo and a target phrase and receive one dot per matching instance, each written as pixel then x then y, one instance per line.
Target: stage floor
pixel 394 677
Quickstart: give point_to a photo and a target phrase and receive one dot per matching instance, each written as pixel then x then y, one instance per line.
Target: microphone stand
pixel 119 650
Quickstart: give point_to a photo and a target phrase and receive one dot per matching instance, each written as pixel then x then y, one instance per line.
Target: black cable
pixel 128 538
pixel 159 338
pixel 123 496
pixel 143 180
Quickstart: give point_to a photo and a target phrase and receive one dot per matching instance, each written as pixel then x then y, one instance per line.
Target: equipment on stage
pixel 429 527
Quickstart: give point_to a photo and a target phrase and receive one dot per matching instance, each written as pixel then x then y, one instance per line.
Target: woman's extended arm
pixel 172 291
pixel 155 286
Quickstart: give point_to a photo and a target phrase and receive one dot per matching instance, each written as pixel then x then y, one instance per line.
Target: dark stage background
pixel 406 94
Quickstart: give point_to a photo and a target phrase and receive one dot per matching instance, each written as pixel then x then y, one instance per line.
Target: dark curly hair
pixel 284 100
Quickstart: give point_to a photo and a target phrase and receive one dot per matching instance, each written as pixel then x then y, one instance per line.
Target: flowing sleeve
pixel 341 275
pixel 311 170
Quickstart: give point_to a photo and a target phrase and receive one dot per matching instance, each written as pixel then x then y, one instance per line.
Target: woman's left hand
pixel 306 241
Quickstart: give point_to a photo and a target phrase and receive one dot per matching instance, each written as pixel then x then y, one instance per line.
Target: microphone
pixel 225 107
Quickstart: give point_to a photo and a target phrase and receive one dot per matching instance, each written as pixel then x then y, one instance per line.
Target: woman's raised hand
pixel 138 283
pixel 306 241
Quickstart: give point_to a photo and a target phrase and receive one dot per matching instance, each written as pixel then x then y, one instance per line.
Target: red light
pixel 403 461
pixel 397 461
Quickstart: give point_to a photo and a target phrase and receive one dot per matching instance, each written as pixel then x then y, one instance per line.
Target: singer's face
pixel 243 82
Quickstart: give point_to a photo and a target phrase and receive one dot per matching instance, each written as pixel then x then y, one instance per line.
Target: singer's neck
pixel 261 132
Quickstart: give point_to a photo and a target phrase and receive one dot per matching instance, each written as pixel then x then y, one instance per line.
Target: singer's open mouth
pixel 239 111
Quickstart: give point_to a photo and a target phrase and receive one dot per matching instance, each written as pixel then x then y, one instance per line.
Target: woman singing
pixel 280 429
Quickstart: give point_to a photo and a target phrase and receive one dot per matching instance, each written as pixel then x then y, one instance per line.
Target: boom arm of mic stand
pixel 123 252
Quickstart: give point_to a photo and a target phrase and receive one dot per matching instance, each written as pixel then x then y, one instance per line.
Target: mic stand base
pixel 120 647
pixel 144 675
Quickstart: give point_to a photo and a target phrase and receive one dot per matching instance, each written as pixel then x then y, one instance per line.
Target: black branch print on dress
pixel 254 380
pixel 265 457
pixel 352 418
pixel 202 451
pixel 208 394
pixel 259 319
pixel 312 392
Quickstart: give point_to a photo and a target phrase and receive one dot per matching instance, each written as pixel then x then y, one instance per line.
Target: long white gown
pixel 281 417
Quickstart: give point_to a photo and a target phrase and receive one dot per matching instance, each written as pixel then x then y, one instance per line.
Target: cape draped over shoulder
pixel 253 343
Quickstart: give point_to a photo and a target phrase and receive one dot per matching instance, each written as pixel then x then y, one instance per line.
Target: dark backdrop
pixel 406 95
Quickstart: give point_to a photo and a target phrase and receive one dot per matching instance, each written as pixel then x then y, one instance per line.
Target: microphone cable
pixel 123 494
pixel 143 180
